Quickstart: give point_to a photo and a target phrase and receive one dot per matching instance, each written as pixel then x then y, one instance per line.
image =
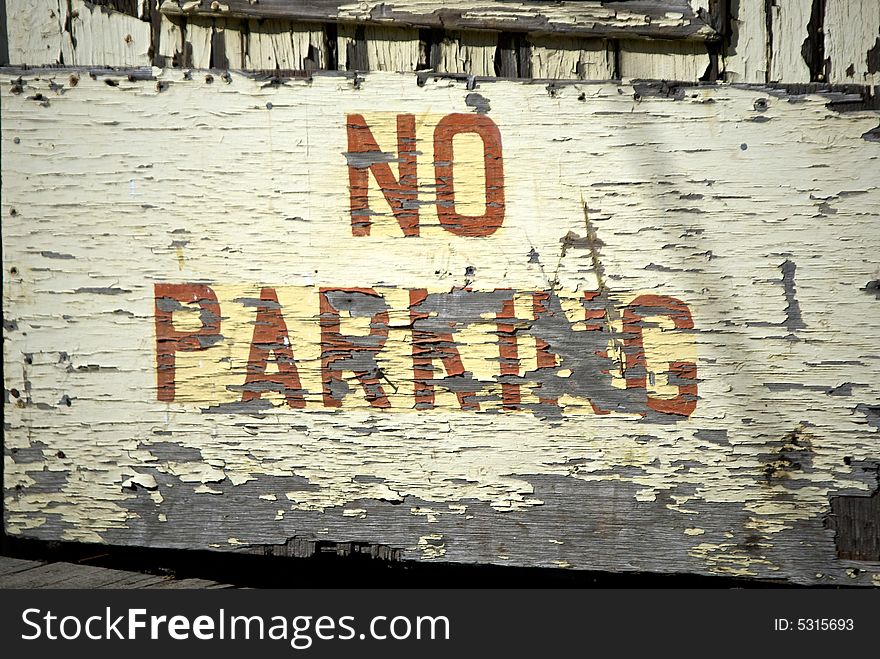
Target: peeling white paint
pixel 261 195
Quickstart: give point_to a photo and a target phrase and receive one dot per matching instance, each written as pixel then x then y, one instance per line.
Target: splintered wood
pixel 592 326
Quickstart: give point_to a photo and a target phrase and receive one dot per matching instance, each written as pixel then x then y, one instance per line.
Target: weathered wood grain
pixel 747 56
pixel 734 431
pixel 662 18
pixel 472 53
pixel 852 41
pixel 172 50
pixel 571 58
pixel 75 33
pixel 10 566
pixel 793 42
pixel 668 60
pixel 33 31
pixel 787 34
pixel 804 41
pixel 16 573
pixel 377 48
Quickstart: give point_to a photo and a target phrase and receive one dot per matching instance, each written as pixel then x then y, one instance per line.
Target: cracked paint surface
pixel 238 186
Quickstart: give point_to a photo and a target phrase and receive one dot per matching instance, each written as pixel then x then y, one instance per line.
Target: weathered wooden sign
pixel 595 326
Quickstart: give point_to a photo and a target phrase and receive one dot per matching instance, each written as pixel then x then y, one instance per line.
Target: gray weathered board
pixel 19 574
pixel 592 326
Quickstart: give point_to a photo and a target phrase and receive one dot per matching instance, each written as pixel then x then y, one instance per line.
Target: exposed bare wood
pixel 571 58
pixel 277 44
pixel 199 42
pixel 381 48
pixel 787 34
pixel 472 53
pixel 747 57
pixel 171 43
pixel 663 18
pixel 852 41
pixel 667 60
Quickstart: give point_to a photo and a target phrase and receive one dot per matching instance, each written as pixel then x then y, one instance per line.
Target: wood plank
pixel 198 37
pixel 97 36
pixel 663 18
pixel 852 41
pixel 377 48
pixel 62 575
pixel 9 566
pixel 227 45
pixel 25 574
pixel 472 53
pixel 571 58
pixel 185 584
pixel 35 38
pixel 788 31
pixel 49 32
pixel 451 358
pixel 171 43
pixel 269 45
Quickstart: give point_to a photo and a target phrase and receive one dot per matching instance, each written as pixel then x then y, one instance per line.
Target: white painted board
pixel 608 327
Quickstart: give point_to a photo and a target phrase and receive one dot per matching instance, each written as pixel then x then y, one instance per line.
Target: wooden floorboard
pixel 10 566
pixel 16 573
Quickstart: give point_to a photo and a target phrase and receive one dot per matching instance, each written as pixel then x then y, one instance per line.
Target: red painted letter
pixel 469 225
pixel 352 353
pixel 427 346
pixel 545 358
pixel 509 355
pixel 170 298
pixel 659 305
pixel 364 156
pixel 270 336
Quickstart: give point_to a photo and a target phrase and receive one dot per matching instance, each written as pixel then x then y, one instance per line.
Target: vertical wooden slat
pixel 226 44
pixel 377 48
pixel 351 48
pixel 513 56
pixel 34 29
pixel 507 55
pixel 276 44
pixel 95 35
pixel 170 43
pixel 571 57
pixel 663 60
pixel 852 35
pixel 310 45
pixel 155 32
pixel 219 58
pixel 429 48
pixel 199 34
pixel 472 53
pixel 4 41
pixel 788 31
pixel 392 49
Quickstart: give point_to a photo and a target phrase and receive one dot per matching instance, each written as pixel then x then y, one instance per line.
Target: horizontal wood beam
pixel 666 19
